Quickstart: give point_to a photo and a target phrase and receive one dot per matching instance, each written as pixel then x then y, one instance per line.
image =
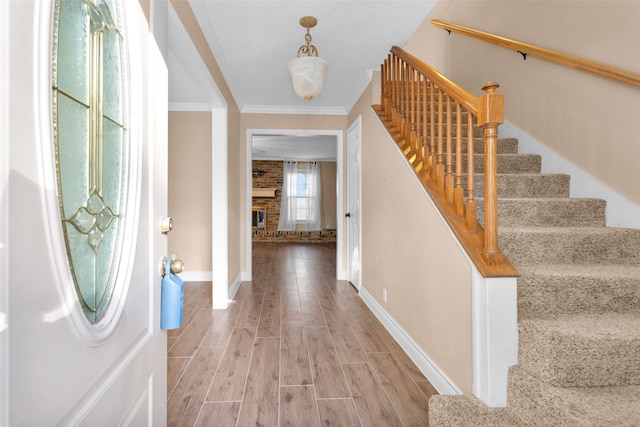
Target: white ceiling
pixel 253 40
pixel 295 147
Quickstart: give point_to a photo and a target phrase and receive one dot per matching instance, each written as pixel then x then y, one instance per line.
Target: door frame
pixel 4 216
pixel 341 272
pixel 357 126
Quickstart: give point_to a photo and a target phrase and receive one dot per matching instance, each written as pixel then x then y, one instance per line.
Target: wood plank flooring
pixel 296 347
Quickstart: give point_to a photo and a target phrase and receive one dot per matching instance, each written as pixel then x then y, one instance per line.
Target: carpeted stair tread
pixel 570 245
pixel 536 403
pixel 552 211
pixel 449 411
pixel 582 350
pixel 547 289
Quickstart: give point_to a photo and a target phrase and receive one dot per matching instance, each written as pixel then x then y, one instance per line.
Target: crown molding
pixel 273 109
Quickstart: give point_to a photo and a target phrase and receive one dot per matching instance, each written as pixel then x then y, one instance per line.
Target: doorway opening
pixel 303 146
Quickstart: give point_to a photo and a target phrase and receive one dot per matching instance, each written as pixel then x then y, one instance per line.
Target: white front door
pixel 353 203
pixel 63 367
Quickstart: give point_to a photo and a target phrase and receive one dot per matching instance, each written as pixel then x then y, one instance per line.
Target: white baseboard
pixel 207 276
pixel 620 211
pixel 435 376
pixel 196 276
pixel 234 287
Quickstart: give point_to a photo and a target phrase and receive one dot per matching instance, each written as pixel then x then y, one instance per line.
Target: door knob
pixel 348 215
pixel 177 266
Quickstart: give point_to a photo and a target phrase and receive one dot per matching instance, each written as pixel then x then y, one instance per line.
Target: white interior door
pixel 353 203
pixel 63 369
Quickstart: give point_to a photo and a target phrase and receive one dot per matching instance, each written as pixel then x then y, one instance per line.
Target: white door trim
pixel 355 126
pixel 4 214
pixel 341 273
pixel 219 209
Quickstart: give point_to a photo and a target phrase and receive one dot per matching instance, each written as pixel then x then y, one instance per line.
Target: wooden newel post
pixel 490 116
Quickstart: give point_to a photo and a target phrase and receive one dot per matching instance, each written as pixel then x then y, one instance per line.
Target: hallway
pixel 295 348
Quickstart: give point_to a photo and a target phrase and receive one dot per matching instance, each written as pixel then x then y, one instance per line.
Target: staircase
pixel 578 306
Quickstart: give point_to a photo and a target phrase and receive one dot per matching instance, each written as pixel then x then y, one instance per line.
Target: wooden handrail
pixel 602 70
pixel 424 112
pixel 464 97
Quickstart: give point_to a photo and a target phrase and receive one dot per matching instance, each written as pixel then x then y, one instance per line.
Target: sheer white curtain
pixel 288 202
pixel 301 202
pixel 314 202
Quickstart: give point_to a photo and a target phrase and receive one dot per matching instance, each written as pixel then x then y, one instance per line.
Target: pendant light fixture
pixel 308 70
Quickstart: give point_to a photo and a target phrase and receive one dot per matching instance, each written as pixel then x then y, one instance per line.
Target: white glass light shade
pixel 307 75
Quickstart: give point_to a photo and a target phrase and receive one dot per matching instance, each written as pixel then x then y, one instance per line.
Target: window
pixel 90 115
pixel 300 204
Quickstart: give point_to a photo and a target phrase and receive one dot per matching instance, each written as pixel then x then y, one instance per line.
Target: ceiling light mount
pixel 308 70
pixel 308 49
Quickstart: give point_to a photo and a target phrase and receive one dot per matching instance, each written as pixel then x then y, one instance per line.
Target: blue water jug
pixel 172 299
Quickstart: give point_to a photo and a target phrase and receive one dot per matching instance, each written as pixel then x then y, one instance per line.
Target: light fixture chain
pixel 309 49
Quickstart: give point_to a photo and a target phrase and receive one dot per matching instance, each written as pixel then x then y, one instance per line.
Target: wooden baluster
pixel 448 180
pixel 425 125
pixel 433 161
pixel 441 154
pixel 412 111
pixel 418 127
pixel 458 192
pixel 403 97
pixel 394 110
pixel 409 107
pixel 383 79
pixel 470 214
pixel 490 116
pixel 394 68
pixel 406 105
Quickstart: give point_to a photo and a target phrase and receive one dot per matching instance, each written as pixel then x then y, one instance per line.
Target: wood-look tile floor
pixel 296 347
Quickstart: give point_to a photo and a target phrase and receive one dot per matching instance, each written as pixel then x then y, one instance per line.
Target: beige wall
pixel 190 188
pixel 407 249
pixel 588 120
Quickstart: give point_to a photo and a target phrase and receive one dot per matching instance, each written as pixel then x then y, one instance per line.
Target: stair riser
pixel 512 186
pixel 505 146
pixel 507 163
pixel 547 212
pixel 570 246
pixel 536 404
pixel 543 296
pixel 566 359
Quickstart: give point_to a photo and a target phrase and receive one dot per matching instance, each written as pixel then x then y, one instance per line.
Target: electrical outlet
pixel 384 294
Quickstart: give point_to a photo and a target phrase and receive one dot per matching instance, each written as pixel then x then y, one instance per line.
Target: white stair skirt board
pixel 495 336
pixel 620 212
pixel 435 376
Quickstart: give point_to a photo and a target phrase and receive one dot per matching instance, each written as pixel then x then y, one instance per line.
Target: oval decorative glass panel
pixel 91 143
